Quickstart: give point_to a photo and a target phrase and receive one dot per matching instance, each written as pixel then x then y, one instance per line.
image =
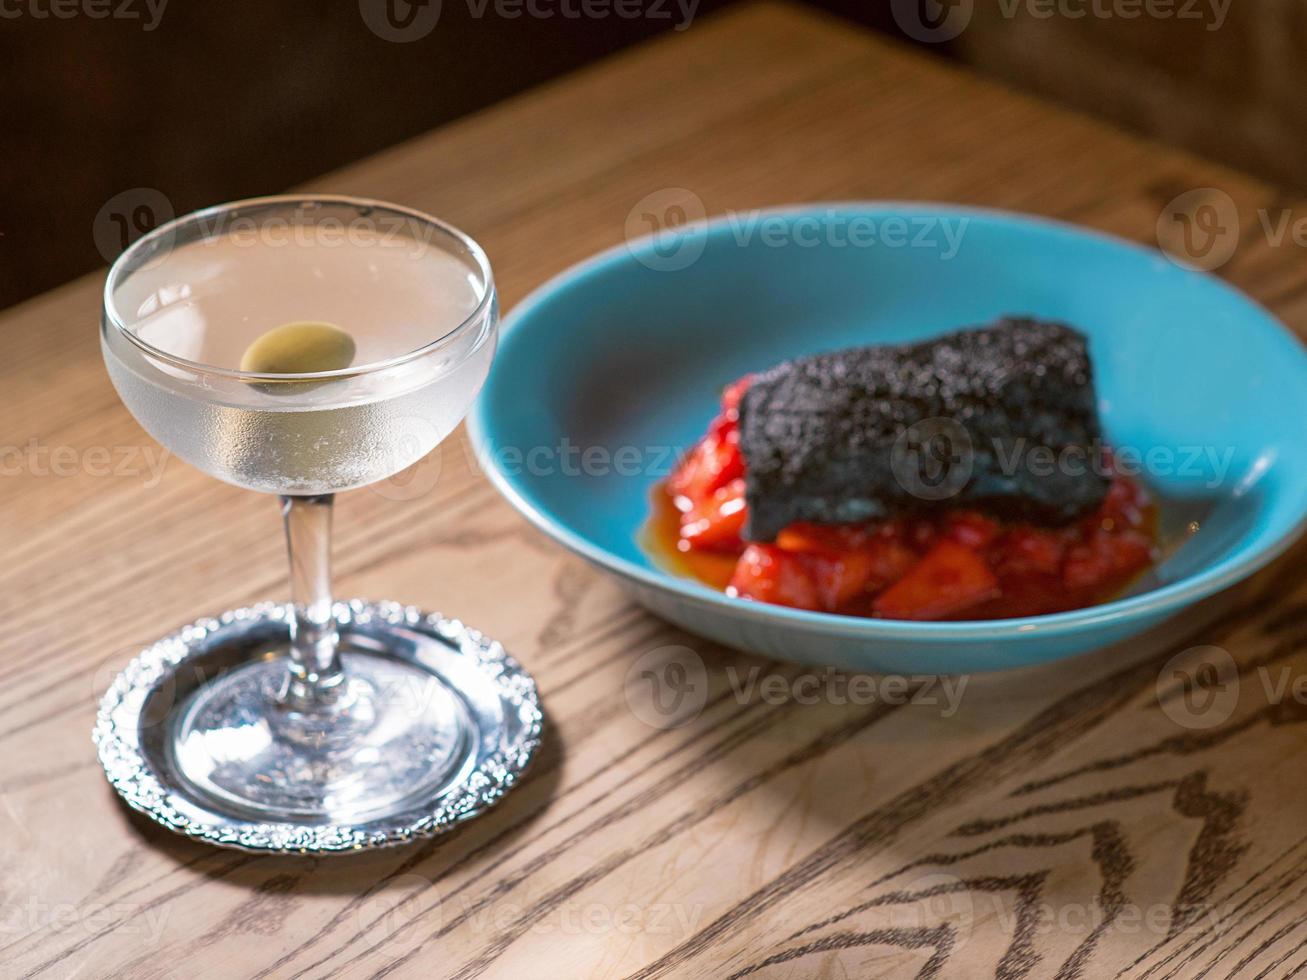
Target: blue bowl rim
pixel 1154 603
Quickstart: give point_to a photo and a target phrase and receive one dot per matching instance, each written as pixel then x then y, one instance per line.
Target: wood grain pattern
pixel 1059 823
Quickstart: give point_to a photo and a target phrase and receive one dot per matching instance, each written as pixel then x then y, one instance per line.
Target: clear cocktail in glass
pixel 312 730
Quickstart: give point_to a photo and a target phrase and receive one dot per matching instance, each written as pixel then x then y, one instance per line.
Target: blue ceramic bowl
pixel 606 368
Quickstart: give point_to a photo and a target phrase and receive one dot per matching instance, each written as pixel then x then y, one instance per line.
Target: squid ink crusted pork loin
pixel 1003 418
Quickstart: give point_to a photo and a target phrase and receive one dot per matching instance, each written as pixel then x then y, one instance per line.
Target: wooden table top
pixel 1067 821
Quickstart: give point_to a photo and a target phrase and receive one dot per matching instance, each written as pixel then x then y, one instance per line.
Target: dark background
pixel 222 100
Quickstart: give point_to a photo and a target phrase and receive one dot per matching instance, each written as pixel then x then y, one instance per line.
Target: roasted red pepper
pixel 714 523
pixel 949 580
pixel 959 564
pixel 767 573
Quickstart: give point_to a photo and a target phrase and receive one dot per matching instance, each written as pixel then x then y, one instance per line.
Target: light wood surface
pixel 1061 822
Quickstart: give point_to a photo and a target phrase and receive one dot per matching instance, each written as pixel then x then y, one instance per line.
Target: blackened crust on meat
pixel 874 432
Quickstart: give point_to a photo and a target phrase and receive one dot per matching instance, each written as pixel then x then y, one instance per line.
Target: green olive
pixel 303 347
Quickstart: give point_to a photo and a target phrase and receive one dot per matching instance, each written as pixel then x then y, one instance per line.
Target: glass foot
pixel 393 737
pixel 432 723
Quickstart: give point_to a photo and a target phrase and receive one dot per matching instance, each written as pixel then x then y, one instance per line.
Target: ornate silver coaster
pixel 197 734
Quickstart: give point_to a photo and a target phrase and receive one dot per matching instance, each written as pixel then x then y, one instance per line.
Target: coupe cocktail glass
pixel 311 731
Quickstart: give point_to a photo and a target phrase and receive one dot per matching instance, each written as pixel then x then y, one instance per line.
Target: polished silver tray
pixel 145 702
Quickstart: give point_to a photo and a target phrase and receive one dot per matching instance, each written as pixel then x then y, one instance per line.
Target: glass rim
pixel 117 269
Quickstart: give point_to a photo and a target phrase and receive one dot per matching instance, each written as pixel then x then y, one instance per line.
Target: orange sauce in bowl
pixel 661 538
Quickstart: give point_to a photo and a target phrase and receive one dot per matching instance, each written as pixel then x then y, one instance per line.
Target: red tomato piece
pixel 1132 551
pixel 891 559
pixel 824 539
pixel 725 426
pixel 732 394
pixel 715 524
pixel 839 579
pixel 848 560
pixel 715 461
pixel 971 528
pixel 948 580
pixel 922 534
pixel 1027 549
pixel 765 573
pixel 974 565
pixel 1106 558
pixel 1127 503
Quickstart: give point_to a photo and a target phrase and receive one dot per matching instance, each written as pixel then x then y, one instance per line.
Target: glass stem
pixel 315 672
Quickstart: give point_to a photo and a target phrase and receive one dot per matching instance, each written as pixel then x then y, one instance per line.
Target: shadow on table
pixel 491 837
